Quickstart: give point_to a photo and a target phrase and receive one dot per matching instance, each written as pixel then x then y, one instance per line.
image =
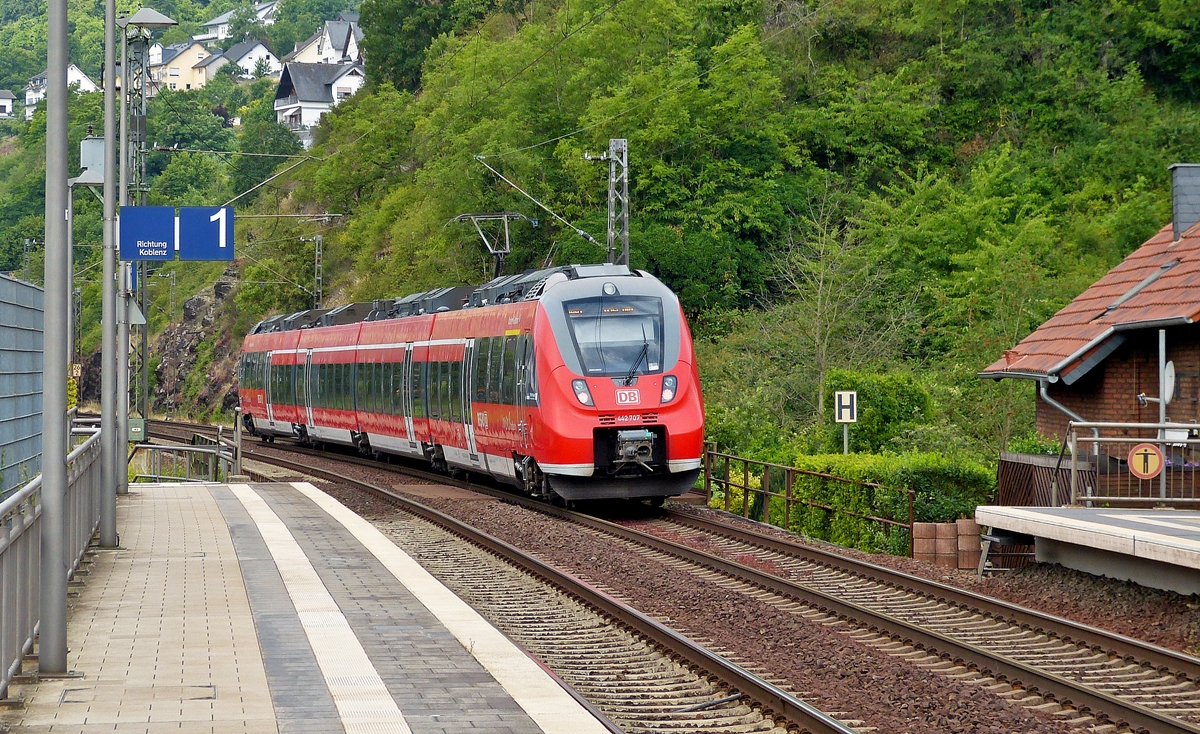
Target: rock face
pixel 193 344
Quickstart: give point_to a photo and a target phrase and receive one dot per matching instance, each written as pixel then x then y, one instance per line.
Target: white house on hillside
pixel 36 90
pixel 337 42
pixel 307 91
pixel 246 55
pixel 8 104
pixel 217 29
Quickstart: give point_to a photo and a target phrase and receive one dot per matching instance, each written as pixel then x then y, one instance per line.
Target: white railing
pixel 21 552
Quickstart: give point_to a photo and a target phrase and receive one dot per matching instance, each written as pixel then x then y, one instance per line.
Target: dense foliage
pixel 900 189
pixel 870 186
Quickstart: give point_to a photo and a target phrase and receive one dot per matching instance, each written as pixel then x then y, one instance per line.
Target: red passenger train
pixel 578 382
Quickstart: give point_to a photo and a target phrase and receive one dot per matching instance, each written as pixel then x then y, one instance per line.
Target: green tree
pixel 265 139
pixel 183 120
pixel 397 32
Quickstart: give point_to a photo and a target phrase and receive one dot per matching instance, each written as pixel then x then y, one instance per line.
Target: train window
pixel 456 407
pixel 617 335
pixel 390 384
pixel 508 386
pixel 493 380
pixel 418 389
pixel 444 391
pixel 531 387
pixel 362 384
pixel 481 367
pixel 435 390
pixel 347 393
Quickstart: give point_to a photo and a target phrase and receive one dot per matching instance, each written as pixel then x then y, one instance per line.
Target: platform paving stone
pixel 435 681
pixel 162 634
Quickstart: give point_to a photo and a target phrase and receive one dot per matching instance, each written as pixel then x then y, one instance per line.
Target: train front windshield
pixel 617 335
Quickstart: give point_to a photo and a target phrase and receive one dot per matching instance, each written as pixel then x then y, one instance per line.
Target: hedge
pixel 945 490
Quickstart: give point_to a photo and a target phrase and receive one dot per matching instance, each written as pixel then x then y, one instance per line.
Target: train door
pixel 406 373
pixel 526 390
pixel 308 382
pixel 270 390
pixel 468 381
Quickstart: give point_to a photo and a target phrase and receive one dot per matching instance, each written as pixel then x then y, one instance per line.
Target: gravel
pixel 831 671
pixel 1164 618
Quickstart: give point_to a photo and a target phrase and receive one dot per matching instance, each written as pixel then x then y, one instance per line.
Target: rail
pixel 1129 465
pixel 20 550
pixel 767 492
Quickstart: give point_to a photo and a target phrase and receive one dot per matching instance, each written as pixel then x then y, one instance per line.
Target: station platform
pixel 1158 548
pixel 273 608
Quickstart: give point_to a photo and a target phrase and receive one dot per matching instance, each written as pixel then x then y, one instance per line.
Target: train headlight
pixel 670 386
pixel 582 394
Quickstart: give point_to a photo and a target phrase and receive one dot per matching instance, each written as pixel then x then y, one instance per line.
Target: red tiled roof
pixel 1082 329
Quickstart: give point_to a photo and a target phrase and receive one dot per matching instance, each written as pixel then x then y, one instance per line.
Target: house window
pixel 172 85
pixel 174 71
pixel 187 86
pixel 344 93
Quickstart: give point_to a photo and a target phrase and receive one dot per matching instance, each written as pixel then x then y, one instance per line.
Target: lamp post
pixel 52 630
pixel 144 20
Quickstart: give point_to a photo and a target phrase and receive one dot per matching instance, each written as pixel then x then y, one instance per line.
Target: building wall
pixel 250 60
pixel 20 383
pixel 1109 392
pixel 179 71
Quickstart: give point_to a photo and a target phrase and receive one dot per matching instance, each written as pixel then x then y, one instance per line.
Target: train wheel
pixel 657 501
pixel 263 438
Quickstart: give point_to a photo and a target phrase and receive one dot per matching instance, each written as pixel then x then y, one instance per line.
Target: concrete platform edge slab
pixel 543 699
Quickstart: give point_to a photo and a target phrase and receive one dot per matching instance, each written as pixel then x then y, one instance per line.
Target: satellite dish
pixel 1168 390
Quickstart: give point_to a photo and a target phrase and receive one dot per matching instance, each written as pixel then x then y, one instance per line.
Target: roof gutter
pixel 1075 417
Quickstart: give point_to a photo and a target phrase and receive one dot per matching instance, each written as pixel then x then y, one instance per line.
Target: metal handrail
pixel 725 481
pixel 20 550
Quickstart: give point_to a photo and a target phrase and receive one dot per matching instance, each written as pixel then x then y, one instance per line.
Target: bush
pixel 945 490
pixel 888 404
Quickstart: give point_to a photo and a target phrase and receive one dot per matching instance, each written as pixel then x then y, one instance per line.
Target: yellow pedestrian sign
pixel 1145 461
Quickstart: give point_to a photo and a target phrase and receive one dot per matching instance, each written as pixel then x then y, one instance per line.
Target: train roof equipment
pixel 527 286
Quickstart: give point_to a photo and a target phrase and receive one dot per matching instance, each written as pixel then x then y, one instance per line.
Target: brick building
pixel 1093 359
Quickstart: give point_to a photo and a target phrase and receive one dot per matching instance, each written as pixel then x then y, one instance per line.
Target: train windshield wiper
pixel 641 355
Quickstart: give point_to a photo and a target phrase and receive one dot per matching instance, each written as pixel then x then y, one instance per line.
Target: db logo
pixel 628 397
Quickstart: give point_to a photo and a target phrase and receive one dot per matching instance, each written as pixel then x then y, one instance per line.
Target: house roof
pixel 1157 285
pixel 238 50
pixel 303 45
pixel 227 16
pixel 221 19
pixel 311 82
pixel 170 52
pixel 7 94
pixel 209 60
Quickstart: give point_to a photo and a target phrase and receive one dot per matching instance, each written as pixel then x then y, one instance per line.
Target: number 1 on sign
pixel 219 217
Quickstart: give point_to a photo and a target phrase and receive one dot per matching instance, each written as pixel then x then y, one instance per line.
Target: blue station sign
pixel 156 233
pixel 147 233
pixel 205 233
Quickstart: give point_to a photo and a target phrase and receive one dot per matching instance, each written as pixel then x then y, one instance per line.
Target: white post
pixel 1163 397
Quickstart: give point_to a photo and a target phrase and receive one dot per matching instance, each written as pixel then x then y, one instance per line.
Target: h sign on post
pixel 845 411
pixel 846 406
pixel 205 233
pixel 147 232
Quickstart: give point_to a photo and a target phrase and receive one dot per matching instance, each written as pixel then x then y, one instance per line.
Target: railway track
pixel 667 683
pixel 1096 679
